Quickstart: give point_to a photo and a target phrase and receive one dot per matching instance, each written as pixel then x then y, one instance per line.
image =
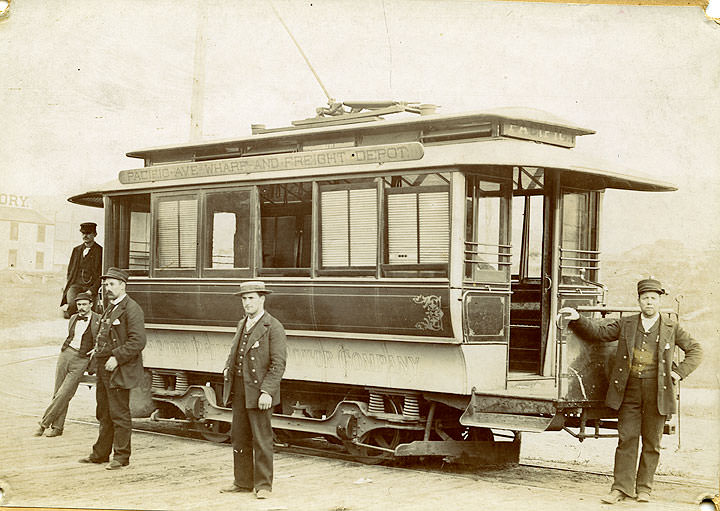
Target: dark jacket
pixel 265 356
pixel 127 334
pixel 94 327
pixel 73 272
pixel 623 330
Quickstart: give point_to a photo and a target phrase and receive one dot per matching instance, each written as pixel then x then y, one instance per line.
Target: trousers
pixel 113 414
pixel 638 417
pixel 68 372
pixel 252 441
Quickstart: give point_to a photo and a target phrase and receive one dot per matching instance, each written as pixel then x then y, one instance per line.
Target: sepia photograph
pixel 345 255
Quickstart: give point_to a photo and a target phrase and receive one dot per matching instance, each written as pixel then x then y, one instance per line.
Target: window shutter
pixel 177 233
pixel 363 227
pixel 434 228
pixel 349 227
pixel 402 228
pixel 334 211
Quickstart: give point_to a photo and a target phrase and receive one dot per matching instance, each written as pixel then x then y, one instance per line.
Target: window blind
pixel 177 233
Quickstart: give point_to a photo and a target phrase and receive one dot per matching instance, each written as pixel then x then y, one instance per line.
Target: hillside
pixel 693 276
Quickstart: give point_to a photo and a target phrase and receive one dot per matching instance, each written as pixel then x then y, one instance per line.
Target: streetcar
pixel 416 259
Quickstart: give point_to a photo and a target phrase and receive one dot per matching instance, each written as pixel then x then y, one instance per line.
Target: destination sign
pixel 287 161
pixel 537 134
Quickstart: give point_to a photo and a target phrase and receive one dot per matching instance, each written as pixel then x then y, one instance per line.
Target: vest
pixel 86 271
pixel 86 341
pixel 645 353
pixel 241 350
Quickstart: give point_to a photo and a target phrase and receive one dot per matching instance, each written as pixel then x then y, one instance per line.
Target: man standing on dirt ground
pixel 71 364
pixel 642 384
pixel 84 269
pixel 252 376
pixel 118 356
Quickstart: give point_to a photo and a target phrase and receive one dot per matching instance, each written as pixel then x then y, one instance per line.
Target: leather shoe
pixel 235 489
pixel 613 497
pixel 643 496
pixel 39 431
pixel 262 493
pixel 54 432
pixel 90 459
pixel 115 464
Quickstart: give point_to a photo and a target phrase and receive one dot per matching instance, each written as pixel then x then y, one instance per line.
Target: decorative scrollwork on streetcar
pixel 433 312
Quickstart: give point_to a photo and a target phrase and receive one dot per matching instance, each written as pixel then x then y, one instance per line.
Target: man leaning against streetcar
pixel 642 384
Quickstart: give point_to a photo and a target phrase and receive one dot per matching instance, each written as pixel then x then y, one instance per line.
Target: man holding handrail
pixel 642 381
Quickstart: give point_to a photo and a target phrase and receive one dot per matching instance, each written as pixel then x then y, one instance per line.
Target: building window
pixel 13 231
pixel 177 232
pixel 12 258
pixel 41 233
pixel 39 260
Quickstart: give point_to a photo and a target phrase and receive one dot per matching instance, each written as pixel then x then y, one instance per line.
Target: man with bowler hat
pixel 252 376
pixel 118 356
pixel 71 365
pixel 642 384
pixel 84 269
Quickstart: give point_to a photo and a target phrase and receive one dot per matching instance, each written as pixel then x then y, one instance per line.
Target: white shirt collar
pixel 648 323
pixel 250 322
pixel 118 299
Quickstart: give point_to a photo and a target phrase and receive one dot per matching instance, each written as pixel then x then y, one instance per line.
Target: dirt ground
pixel 171 473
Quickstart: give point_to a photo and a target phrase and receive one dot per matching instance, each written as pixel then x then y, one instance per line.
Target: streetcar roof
pixel 528 116
pixel 582 170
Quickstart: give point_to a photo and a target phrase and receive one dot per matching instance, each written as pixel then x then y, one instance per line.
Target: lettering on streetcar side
pixel 303 160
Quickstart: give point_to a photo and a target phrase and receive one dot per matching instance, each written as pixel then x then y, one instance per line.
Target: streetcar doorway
pixel 526 318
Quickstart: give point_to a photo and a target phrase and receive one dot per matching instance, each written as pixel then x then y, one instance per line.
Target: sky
pixel 84 83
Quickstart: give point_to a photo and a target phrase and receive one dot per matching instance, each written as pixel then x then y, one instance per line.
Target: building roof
pixel 29 216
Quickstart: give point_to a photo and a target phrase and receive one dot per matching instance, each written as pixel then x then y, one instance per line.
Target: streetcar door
pixel 578 365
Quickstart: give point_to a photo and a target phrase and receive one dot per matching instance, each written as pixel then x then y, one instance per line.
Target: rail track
pixel 564 480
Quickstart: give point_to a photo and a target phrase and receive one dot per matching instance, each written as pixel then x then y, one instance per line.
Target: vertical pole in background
pixel 198 85
pixel 678 299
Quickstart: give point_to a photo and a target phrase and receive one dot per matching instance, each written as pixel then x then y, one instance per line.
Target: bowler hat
pixel 84 296
pixel 253 286
pixel 88 228
pixel 116 273
pixel 647 285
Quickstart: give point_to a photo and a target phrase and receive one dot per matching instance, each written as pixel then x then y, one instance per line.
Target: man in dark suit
pixel 118 356
pixel 84 269
pixel 642 384
pixel 71 364
pixel 252 375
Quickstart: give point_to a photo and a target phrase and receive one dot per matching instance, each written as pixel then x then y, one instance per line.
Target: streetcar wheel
pixel 214 431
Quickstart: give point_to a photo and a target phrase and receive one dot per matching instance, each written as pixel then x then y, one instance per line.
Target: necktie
pixel 82 318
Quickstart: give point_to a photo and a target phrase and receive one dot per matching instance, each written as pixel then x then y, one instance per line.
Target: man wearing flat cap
pixel 84 269
pixel 252 376
pixel 642 384
pixel 71 365
pixel 118 357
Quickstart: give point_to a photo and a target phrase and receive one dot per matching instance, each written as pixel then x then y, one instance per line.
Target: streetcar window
pixel 177 219
pixel 227 216
pixel 348 226
pixel 487 248
pixel 579 256
pixel 285 228
pixel 417 225
pixel 129 236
